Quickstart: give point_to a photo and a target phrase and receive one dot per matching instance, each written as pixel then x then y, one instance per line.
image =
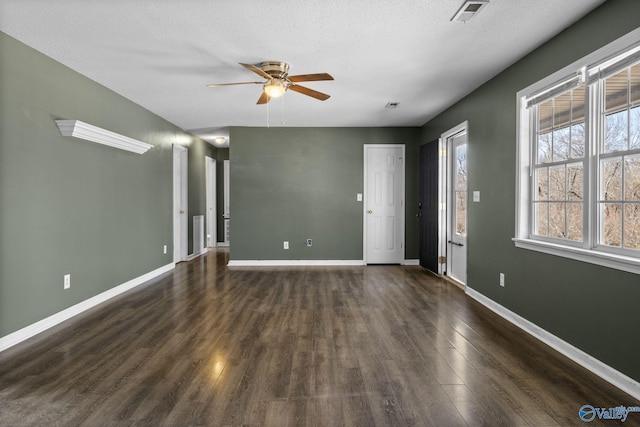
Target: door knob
pixel 370 211
pixel 181 212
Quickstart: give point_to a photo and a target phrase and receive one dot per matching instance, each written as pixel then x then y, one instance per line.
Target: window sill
pixel 618 262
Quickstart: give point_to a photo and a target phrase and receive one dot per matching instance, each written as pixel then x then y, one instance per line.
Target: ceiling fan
pixel 279 81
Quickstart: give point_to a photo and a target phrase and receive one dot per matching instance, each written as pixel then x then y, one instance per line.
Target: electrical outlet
pixel 502 279
pixel 285 245
pixel 309 243
pixel 67 281
pixel 165 249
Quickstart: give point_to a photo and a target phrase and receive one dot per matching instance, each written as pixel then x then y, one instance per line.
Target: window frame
pixel 599 96
pixel 591 69
pixel 536 165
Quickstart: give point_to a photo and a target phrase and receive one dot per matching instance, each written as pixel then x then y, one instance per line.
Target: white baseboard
pixel 292 263
pixel 604 371
pixel 223 244
pixel 59 317
pixel 305 262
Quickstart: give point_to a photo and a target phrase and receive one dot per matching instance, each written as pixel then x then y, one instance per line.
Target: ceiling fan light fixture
pixel 275 88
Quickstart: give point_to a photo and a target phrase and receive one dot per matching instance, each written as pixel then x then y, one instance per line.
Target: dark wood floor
pixel 379 345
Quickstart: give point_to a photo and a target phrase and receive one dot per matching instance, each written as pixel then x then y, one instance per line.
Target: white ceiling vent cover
pixel 469 9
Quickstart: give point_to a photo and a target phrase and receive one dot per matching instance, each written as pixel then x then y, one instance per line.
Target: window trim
pixel 564 85
pixel 605 259
pixel 588 67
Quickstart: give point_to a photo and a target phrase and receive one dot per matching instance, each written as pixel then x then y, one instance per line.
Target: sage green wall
pixel 73 206
pixel 298 183
pixel 591 307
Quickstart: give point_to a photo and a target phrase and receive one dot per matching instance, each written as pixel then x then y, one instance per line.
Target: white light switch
pixel 476 196
pixel 359 197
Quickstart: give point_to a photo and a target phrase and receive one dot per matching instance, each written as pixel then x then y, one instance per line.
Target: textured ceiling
pixel 161 53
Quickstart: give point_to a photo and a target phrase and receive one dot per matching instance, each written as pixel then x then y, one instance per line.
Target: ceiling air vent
pixel 469 9
pixel 392 105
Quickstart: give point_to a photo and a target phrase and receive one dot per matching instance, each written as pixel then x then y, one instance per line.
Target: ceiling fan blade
pixel 233 84
pixel 310 77
pixel 256 70
pixel 264 98
pixel 309 92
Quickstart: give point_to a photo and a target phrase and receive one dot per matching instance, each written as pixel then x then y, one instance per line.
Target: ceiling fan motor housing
pixel 276 69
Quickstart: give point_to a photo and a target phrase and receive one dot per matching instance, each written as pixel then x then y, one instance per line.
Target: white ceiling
pixel 161 53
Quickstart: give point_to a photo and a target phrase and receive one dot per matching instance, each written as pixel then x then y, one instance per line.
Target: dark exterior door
pixel 428 206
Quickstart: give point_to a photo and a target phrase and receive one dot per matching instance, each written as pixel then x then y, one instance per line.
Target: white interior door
pixel 457 203
pixel 179 203
pixel 212 226
pixel 384 204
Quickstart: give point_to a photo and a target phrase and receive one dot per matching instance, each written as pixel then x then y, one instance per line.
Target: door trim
pixel 180 198
pixel 365 198
pixel 443 215
pixel 212 215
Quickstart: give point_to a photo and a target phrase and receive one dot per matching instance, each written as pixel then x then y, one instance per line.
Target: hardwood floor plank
pixel 290 412
pixel 357 411
pixel 301 382
pixel 515 397
pixel 385 411
pixel 206 345
pixel 328 411
pixel 325 367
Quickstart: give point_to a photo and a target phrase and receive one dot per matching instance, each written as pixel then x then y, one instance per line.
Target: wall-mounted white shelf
pixel 82 130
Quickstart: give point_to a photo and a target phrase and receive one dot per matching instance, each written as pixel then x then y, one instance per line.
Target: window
pixel 460 188
pixel 558 196
pixel 619 196
pixel 579 159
